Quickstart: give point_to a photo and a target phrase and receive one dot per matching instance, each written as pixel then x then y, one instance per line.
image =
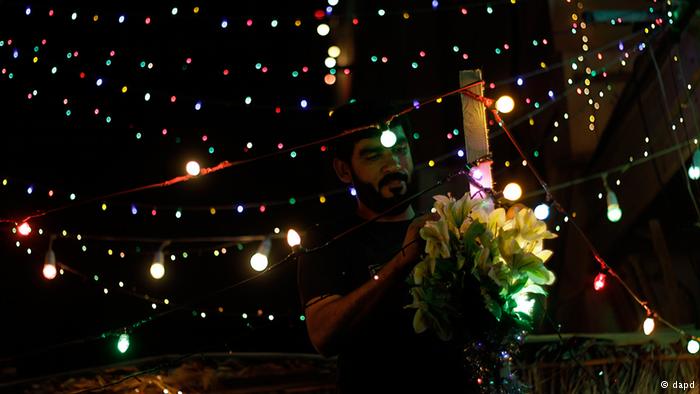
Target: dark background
pixel 50 326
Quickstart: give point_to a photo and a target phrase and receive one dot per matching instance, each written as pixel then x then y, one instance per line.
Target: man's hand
pixel 412 242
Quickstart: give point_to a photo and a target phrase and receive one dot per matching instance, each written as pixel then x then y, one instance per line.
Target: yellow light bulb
pixel 157 270
pixel 649 326
pixel 293 238
pixel 512 191
pixel 505 104
pixel 334 51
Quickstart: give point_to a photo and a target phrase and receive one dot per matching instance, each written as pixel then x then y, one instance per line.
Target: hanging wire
pixel 662 87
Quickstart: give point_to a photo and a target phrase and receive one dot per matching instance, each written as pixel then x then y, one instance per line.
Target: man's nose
pixel 393 163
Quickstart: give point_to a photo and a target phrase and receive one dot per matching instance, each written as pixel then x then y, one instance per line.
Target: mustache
pixel 394 176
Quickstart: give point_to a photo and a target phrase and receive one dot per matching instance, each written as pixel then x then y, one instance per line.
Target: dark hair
pixel 357 114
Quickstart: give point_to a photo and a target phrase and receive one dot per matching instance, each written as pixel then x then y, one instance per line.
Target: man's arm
pixel 331 319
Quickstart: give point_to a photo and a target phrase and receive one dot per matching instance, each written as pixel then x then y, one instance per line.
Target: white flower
pixel 423 269
pixel 437 237
pixel 529 227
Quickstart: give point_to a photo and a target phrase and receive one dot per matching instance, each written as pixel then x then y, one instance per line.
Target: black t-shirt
pixel 385 353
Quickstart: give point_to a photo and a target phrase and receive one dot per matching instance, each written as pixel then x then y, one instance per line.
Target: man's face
pixel 382 176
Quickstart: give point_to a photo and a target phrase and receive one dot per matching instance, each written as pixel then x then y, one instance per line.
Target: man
pixel 354 290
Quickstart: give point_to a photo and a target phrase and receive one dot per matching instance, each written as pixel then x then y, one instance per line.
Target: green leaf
pixel 541 275
pixel 470 236
pixel 517 286
pixel 526 261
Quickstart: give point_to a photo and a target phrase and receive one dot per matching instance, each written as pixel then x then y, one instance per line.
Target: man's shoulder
pixel 326 229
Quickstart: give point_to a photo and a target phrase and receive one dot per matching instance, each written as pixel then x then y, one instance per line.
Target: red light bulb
pixel 24 229
pixel 599 282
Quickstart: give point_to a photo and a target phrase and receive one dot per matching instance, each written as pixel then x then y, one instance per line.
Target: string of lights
pixel 662 87
pixel 294 243
pixel 195 170
pixel 549 67
pixel 604 266
pixel 554 98
pixel 122 333
pixel 620 168
pixel 241 207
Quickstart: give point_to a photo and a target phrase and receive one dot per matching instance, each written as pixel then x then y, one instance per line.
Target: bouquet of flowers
pixel 483 269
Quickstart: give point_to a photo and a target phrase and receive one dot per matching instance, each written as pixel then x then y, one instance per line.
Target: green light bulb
pixel 123 343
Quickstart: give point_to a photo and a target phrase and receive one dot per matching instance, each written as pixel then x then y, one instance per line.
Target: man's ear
pixel 342 170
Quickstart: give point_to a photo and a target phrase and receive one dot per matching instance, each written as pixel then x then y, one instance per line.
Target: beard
pixel 374 200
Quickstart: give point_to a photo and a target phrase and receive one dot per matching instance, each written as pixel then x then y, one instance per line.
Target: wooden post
pixel 476 139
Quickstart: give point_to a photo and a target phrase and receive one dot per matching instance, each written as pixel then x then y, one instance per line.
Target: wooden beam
pixel 476 139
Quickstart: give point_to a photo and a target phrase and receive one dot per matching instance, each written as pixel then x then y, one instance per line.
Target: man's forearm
pixel 329 322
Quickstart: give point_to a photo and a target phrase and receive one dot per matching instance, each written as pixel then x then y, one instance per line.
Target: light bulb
pixel 388 138
pixel 694 169
pixel 49 270
pixel 505 104
pixel 258 262
pixel 477 174
pixel 293 238
pixel 693 346
pixel 123 343
pixel 334 51
pixel 323 29
pixel 512 192
pixel 157 270
pixel 542 211
pixel 193 168
pixel 614 211
pixel 649 326
pixel 599 282
pixel 694 173
pixel 329 62
pixel 24 228
pixel 523 304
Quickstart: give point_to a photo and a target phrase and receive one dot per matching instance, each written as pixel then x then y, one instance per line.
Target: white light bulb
pixel 293 238
pixel 388 138
pixel 329 62
pixel 614 211
pixel 694 173
pixel 193 168
pixel 49 271
pixel 693 346
pixel 258 262
pixel 158 268
pixel 694 170
pixel 649 326
pixel 323 29
pixel 512 191
pixel 542 211
pixel 505 104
